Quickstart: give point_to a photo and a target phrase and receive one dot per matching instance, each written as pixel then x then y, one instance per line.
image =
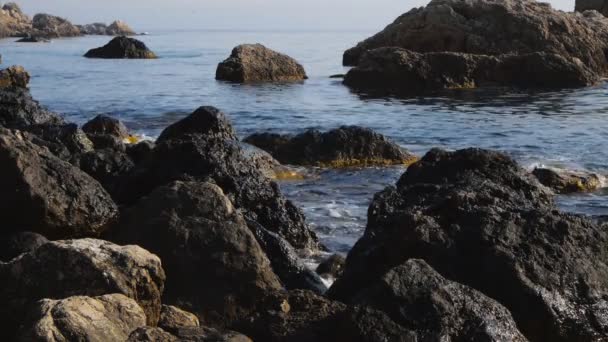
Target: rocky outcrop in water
pixel 116 28
pixel 257 63
pixel 206 120
pixel 32 39
pixel 399 71
pixel 565 182
pixel 106 125
pixel 479 219
pixel 122 47
pixel 342 147
pixel 51 26
pixel 13 22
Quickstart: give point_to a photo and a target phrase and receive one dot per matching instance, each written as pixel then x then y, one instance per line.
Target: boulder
pixel 151 334
pixel 32 39
pixel 565 182
pixel 107 166
pixel 66 141
pixel 479 219
pixel 215 268
pixel 591 5
pixel 105 318
pixel 13 22
pixel 87 267
pixel 106 125
pixel 122 47
pixel 332 267
pixel 173 318
pixel 269 166
pixel 257 63
pixel 46 195
pixel 52 26
pixel 417 297
pixel 489 27
pixel 346 146
pixel 207 121
pixel 93 29
pixel 14 77
pixel 398 71
pixel 196 334
pixel 140 151
pixel 13 245
pixel 119 28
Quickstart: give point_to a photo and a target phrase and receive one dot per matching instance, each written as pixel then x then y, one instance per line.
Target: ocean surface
pixel 565 129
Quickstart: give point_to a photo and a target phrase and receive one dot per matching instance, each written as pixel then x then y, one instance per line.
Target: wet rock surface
pixel 257 63
pixel 565 182
pixel 122 47
pixel 332 267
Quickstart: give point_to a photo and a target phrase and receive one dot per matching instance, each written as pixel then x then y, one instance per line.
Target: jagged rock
pixel 257 63
pixel 491 27
pixel 215 268
pixel 94 29
pixel 119 28
pixel 52 26
pixel 332 267
pixel 66 141
pixel 151 334
pixel 479 219
pixel 14 77
pixel 207 121
pixel 342 147
pixel 106 318
pixel 398 71
pixel 13 245
pixel 86 267
pixel 106 125
pixel 47 195
pixel 173 318
pixel 565 182
pixel 122 47
pixel 107 166
pixel 591 5
pixel 13 22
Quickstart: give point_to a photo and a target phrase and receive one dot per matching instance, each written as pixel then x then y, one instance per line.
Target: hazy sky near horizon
pixel 236 14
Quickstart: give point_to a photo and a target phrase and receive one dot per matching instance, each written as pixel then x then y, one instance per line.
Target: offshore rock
pixel 122 47
pixel 565 182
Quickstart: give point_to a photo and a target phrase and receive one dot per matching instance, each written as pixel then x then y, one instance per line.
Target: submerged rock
pixel 47 195
pixel 257 63
pixel 479 219
pixel 565 182
pixel 342 147
pixel 52 26
pixel 122 47
pixel 399 71
pixel 105 318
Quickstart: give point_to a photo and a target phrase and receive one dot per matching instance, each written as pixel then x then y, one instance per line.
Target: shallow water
pixel 567 129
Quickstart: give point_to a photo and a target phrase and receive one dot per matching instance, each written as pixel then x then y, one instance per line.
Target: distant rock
pixel 53 27
pixel 347 146
pixel 13 22
pixel 565 182
pixel 257 63
pixel 32 39
pixel 122 47
pixel 590 5
pixel 117 28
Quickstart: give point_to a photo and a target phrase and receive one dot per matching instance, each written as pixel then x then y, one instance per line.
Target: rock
pixel 416 296
pixel 51 26
pixel 203 158
pixel 65 141
pixel 369 325
pixel 107 166
pixel 285 261
pixel 46 195
pixel 14 77
pixel 122 47
pixel 140 151
pixel 151 334
pixel 106 125
pixel 32 39
pixel 13 245
pixel 479 219
pixel 119 28
pixel 209 334
pixel 13 22
pixel 215 268
pixel 173 318
pixel 332 267
pixel 87 267
pixel 94 29
pixel 398 71
pixel 269 166
pixel 565 182
pixel 257 63
pixel 489 27
pixel 346 146
pixel 107 142
pixel 105 318
pixel 590 5
pixel 207 121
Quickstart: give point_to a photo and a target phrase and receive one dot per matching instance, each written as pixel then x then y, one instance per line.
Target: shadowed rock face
pixel 122 47
pixel 191 334
pixel 342 147
pixel 494 27
pixel 51 26
pixel 399 71
pixel 479 219
pixel 589 5
pixel 257 63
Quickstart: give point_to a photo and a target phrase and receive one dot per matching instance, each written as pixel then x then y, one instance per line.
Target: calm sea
pixel 566 129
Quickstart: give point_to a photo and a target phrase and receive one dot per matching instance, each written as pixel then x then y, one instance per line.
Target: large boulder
pixel 398 71
pixel 191 334
pixel 173 318
pixel 494 27
pixel 215 267
pixel 13 22
pixel 105 318
pixel 342 147
pixel 106 125
pixel 122 47
pixel 479 219
pixel 45 194
pixel 52 26
pixel 66 141
pixel 87 267
pixel 257 63
pixel 591 5
pixel 208 121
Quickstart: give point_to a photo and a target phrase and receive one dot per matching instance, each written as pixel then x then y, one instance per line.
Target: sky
pixel 236 14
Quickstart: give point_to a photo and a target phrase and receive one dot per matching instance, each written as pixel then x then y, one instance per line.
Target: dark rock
pixel 493 28
pixel 87 267
pixel 32 39
pixel 285 261
pixel 107 141
pixel 215 268
pixel 106 166
pixel 591 5
pixel 140 151
pixel 257 63
pixel 332 267
pixel 417 297
pixel 13 245
pixel 364 324
pixel 204 334
pixel 337 76
pixel 151 334
pixel 106 318
pixel 565 182
pixel 479 219
pixel 65 141
pixel 207 121
pixel 269 166
pixel 173 318
pixel 47 195
pixel 122 47
pixel 346 146
pixel 398 71
pixel 52 26
pixel 106 125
